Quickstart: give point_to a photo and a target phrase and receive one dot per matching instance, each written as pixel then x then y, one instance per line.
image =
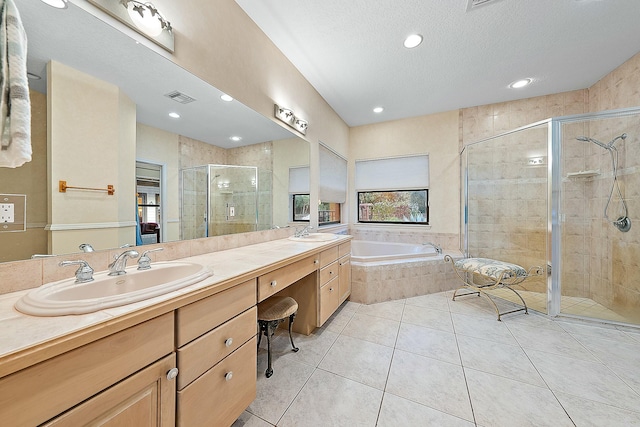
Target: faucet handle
pixel 84 273
pixel 144 262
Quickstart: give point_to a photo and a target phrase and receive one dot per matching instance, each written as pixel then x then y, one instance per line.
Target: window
pixel 301 207
pixel 398 206
pixel 328 213
pixel 393 190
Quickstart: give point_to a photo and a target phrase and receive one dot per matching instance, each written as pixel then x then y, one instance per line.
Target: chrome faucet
pixel 85 247
pixel 144 262
pixel 84 273
pixel 304 232
pixel 438 248
pixel 116 268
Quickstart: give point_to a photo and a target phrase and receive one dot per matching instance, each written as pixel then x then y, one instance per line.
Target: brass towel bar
pixel 63 188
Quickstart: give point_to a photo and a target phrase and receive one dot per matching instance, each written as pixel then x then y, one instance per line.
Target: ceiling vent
pixel 180 97
pixel 474 4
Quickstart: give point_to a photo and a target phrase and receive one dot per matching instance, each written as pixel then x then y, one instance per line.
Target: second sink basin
pixel 67 297
pixel 315 237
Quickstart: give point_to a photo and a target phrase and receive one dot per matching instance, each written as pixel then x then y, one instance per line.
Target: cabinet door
pixel 147 398
pixel 329 300
pixel 344 276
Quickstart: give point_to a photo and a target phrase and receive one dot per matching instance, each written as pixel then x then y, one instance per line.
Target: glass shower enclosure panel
pixel 506 210
pixel 218 200
pixel 598 227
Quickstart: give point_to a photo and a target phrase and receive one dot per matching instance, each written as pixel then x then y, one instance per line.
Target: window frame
pixel 426 222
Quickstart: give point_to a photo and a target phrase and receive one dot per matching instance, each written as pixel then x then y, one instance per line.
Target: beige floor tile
pixel 438 301
pixel 438 385
pixel 489 329
pixel 587 413
pixel 387 310
pixel 429 318
pixel 504 360
pixel 428 342
pixel 503 402
pixel 275 394
pixel 373 329
pixel 249 420
pixel 588 380
pixel 312 348
pixel 397 411
pixel 362 361
pixel 331 400
pixel 550 341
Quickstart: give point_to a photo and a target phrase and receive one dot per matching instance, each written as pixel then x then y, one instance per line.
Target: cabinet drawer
pixel 277 280
pixel 344 249
pixel 217 398
pixel 328 256
pixel 36 394
pixel 201 316
pixel 204 352
pixel 328 273
pixel 329 300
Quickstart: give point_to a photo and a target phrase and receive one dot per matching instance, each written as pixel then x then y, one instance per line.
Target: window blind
pixel 395 173
pixel 299 180
pixel 333 177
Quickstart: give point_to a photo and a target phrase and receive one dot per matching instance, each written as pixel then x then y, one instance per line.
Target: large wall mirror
pixel 100 116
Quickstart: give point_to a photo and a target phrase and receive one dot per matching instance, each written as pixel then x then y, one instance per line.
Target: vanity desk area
pixel 185 358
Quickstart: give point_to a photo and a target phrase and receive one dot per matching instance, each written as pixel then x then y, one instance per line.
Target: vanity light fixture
pixel 412 41
pixel 174 115
pixel 58 4
pixel 378 110
pixel 142 17
pixel 288 116
pixel 520 83
pixel 226 97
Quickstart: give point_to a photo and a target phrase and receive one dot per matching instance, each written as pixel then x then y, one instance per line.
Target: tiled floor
pixel 430 361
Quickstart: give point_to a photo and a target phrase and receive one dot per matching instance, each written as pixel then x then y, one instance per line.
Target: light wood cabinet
pixel 277 280
pixel 37 394
pixel 344 277
pixel 147 398
pixel 217 378
pixel 335 279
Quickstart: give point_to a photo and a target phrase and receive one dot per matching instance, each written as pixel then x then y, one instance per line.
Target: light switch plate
pixel 13 212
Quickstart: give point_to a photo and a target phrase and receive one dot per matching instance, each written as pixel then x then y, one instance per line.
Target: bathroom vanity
pixel 187 358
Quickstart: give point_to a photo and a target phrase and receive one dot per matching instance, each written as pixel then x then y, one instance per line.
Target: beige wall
pixel 161 147
pixel 287 153
pixel 435 135
pixel 29 179
pixel 91 143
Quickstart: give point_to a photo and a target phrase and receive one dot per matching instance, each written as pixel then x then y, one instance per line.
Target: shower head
pixel 622 137
pixel 595 141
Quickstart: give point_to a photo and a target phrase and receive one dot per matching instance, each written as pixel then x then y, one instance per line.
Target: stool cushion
pixel 491 268
pixel 276 308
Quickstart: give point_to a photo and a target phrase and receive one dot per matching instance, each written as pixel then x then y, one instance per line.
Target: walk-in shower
pixel 536 196
pixel 622 223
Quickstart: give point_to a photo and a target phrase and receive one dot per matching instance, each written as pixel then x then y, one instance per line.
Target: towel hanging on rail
pixel 15 105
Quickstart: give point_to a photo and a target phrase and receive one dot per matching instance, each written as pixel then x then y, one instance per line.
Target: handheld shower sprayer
pixel 623 223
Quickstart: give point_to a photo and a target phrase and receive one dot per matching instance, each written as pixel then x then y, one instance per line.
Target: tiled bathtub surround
pixel 399 279
pixel 404 234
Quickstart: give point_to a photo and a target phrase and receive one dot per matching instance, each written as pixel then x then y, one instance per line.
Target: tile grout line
pixel 464 373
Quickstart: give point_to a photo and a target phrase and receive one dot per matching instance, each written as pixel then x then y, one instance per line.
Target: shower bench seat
pixel 484 274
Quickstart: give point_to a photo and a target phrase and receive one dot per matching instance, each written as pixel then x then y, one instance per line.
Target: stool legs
pixel 268 328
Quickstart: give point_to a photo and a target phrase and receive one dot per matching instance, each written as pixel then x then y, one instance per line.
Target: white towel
pixel 15 106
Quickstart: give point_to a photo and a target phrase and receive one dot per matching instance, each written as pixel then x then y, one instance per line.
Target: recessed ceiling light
pixel 226 97
pixel 412 41
pixel 236 138
pixel 58 4
pixel 378 110
pixel 520 83
pixel 174 115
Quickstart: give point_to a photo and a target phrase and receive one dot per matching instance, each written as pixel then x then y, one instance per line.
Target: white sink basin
pixel 67 297
pixel 315 237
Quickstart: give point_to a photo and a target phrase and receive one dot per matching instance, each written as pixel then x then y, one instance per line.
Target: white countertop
pixel 19 331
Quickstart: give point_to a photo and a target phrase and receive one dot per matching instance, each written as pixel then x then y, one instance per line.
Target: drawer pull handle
pixel 315 261
pixel 228 342
pixel 172 374
pixel 330 289
pixel 274 283
pixel 330 272
pixel 228 376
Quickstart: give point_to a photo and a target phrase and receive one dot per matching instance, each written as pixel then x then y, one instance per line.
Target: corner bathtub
pixel 382 271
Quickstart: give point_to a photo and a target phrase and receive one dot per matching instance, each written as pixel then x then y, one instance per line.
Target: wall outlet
pixel 7 212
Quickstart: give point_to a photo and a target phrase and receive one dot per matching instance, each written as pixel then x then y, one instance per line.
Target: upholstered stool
pixel 271 312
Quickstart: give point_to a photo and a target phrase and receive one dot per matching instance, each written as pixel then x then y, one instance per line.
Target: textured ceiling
pixel 351 51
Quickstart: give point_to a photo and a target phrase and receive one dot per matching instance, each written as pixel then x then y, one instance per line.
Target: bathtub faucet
pixel 438 248
pixel 304 232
